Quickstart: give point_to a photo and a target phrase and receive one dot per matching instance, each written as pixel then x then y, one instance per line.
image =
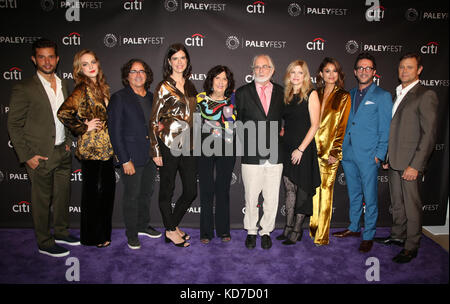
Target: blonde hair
pixel 100 88
pixel 289 88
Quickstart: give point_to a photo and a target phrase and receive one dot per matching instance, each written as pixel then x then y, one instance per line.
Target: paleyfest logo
pixel 233 42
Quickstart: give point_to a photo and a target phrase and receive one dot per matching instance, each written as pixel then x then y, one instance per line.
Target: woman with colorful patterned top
pixel 84 113
pixel 216 106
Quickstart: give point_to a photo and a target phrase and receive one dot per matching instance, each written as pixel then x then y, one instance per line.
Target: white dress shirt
pixel 56 100
pixel 401 92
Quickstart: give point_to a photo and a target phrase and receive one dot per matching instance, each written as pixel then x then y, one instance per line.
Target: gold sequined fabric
pixel 78 107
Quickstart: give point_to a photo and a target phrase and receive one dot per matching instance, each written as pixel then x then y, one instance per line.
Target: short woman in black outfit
pixel 216 105
pixel 301 173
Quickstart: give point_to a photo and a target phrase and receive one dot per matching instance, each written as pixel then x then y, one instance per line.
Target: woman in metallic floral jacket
pixel 171 146
pixel 84 113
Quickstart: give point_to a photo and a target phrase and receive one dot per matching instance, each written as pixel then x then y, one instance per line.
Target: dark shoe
pixel 390 241
pixel 405 256
pixel 55 251
pixel 182 244
pixel 266 241
pixel 293 237
pixel 150 232
pixel 365 246
pixel 346 233
pixel 250 241
pixel 69 240
pixel 134 243
pixel 284 235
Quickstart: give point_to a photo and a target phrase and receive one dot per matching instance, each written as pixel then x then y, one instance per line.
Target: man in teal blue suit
pixel 364 148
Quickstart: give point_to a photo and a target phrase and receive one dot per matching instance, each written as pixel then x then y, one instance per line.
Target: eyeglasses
pixel 264 67
pixel 137 72
pixel 367 69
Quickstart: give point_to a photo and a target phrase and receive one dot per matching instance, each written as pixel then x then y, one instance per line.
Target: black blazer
pixel 250 109
pixel 128 127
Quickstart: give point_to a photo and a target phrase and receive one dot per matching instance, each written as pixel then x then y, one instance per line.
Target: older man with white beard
pixel 261 102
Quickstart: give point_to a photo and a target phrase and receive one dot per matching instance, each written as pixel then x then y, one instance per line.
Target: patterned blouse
pixel 79 106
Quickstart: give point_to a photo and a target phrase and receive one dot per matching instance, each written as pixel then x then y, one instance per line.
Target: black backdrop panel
pixel 229 33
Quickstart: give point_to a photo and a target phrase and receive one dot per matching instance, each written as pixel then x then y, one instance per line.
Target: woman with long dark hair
pixel 171 123
pixel 84 113
pixel 335 108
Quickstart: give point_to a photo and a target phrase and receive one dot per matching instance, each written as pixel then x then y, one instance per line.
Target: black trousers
pixel 217 187
pixel 187 167
pixel 138 190
pixel 97 201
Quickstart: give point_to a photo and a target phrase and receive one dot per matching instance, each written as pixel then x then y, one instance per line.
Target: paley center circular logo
pixel 110 40
pixel 294 9
pixel 232 42
pixel 47 5
pixel 171 5
pixel 351 46
pixel 411 14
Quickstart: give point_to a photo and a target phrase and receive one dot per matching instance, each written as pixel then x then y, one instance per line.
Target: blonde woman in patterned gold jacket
pixel 173 107
pixel 84 113
pixel 335 109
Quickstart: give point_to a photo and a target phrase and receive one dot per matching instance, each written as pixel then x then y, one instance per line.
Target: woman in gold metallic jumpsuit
pixel 335 108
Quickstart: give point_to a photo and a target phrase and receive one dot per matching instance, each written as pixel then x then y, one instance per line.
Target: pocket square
pixel 369 102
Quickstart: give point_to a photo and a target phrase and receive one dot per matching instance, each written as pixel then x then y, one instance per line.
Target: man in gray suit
pixel 411 141
pixel 43 144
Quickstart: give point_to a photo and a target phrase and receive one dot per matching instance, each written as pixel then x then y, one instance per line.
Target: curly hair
pixel 126 68
pixel 212 73
pixel 100 88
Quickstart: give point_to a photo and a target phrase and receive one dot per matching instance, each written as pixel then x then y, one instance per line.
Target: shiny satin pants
pixel 319 223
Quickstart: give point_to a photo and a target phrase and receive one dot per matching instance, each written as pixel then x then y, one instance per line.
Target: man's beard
pixel 262 79
pixel 46 71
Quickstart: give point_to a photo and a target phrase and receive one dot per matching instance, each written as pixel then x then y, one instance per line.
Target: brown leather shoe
pixel 365 246
pixel 346 233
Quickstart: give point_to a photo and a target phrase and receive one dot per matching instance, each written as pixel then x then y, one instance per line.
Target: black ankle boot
pixel 297 232
pixel 284 235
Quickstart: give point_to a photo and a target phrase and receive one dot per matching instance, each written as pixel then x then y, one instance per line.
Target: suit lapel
pixel 42 94
pixel 406 99
pixel 366 97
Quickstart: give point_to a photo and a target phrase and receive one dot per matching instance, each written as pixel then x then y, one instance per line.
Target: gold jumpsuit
pixel 329 140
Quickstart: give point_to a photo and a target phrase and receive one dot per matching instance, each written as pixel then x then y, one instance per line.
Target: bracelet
pixel 300 150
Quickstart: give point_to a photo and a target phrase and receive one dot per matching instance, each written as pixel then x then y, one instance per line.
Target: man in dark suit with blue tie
pixel 364 148
pixel 128 116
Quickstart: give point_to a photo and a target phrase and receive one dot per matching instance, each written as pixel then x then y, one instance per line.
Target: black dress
pixel 305 175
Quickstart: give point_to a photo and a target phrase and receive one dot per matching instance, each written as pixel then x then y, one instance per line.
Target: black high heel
pixel 167 240
pixel 283 236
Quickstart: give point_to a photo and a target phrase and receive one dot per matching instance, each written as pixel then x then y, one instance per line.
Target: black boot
pixel 297 231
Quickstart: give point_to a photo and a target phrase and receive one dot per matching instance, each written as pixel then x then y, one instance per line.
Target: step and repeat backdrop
pixel 228 33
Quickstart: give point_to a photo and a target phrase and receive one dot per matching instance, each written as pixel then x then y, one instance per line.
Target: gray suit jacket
pixel 413 130
pixel 30 119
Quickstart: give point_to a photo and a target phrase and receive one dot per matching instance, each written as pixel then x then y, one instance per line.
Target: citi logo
pixel 72 39
pixel 195 40
pixel 8 3
pixel 21 207
pixel 256 8
pixel 375 12
pixel 13 73
pixel 77 176
pixel 131 5
pixel 317 44
pixel 430 48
